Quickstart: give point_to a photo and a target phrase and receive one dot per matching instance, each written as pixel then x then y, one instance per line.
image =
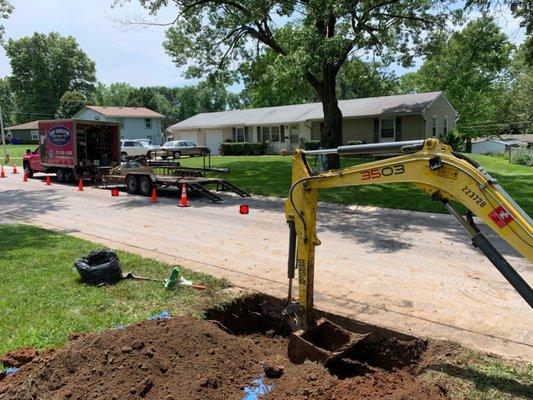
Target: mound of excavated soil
pixel 185 358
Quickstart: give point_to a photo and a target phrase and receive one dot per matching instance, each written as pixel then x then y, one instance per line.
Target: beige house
pixel 371 120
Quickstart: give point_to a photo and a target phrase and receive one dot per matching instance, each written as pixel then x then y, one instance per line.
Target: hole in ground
pixel 380 350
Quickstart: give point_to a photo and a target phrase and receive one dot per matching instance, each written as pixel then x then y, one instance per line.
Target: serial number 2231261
pixel 470 193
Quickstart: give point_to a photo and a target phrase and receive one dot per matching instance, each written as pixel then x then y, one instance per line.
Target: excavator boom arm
pixel 428 165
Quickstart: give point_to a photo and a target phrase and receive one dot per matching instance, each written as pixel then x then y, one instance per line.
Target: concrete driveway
pixel 408 271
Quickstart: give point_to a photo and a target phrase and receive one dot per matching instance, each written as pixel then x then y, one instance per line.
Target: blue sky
pixel 129 55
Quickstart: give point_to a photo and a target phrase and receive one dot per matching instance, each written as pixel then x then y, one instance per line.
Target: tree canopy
pixel 469 66
pixel 217 36
pixel 70 103
pixel 43 68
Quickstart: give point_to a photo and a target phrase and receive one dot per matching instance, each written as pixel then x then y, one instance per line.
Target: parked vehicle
pixel 178 148
pixel 145 142
pixel 132 148
pixel 72 148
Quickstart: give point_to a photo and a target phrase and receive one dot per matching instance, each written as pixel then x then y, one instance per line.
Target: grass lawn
pixel 42 298
pixel 15 152
pixel 271 176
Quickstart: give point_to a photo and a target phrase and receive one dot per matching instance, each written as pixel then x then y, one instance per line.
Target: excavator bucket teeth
pixel 325 343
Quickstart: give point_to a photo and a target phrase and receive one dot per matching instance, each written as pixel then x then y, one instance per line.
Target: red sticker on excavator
pixel 501 217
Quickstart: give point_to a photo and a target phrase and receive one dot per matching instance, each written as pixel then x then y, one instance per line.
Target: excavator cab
pixel 429 165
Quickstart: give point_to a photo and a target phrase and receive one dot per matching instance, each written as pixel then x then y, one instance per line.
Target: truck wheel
pixel 145 186
pixel 28 170
pixel 132 184
pixel 60 175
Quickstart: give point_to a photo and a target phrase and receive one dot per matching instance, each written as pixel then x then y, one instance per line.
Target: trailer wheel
pixel 145 185
pixel 132 184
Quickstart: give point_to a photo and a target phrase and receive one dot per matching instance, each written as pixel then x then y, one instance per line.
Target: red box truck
pixel 74 148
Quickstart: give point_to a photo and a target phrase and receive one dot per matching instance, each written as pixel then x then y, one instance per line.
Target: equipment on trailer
pixel 140 176
pixel 444 175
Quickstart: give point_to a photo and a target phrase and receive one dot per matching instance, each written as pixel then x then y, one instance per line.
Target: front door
pixel 386 130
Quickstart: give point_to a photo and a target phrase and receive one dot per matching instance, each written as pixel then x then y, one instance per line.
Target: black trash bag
pixel 99 267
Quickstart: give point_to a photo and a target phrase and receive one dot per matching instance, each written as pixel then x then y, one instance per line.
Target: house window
pixel 97 118
pixel 34 135
pixel 434 126
pixel 265 134
pixel 387 128
pixel 240 135
pixel 274 134
pixel 294 133
pixel 148 123
pixel 445 126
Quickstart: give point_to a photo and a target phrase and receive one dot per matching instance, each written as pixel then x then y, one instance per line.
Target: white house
pixel 136 122
pixel 370 120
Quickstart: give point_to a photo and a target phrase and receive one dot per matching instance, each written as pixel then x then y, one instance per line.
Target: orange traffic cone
pixel 80 185
pixel 154 196
pixel 183 201
pixel 2 173
pixel 15 172
pixel 25 177
pixel 48 181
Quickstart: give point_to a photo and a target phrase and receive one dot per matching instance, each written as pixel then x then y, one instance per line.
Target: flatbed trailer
pixel 141 179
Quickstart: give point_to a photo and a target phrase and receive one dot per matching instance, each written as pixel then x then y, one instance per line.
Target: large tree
pixel 43 68
pixel 6 8
pixel 70 103
pixel 216 36
pixel 116 94
pixel 469 66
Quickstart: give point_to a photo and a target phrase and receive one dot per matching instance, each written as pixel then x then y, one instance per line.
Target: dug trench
pixel 238 351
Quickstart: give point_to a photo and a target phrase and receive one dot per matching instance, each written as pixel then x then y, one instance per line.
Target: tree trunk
pixel 331 135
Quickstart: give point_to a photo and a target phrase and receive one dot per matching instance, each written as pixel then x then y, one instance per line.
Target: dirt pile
pixel 186 358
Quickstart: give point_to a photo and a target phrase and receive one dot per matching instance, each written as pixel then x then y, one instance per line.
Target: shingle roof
pixel 140 112
pixel 27 125
pixel 372 106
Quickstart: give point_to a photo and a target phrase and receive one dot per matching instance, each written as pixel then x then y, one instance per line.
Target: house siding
pixel 360 129
pixel 440 108
pixel 132 127
pixel 24 135
pixel 413 127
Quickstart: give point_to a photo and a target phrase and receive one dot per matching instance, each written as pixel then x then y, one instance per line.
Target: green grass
pixel 42 298
pixel 15 151
pixel 271 176
pixel 472 375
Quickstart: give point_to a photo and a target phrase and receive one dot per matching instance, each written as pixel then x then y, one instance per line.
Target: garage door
pixel 213 140
pixel 191 137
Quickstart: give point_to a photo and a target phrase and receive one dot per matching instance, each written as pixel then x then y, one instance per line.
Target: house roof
pixel 27 125
pixel 507 139
pixel 371 106
pixel 140 112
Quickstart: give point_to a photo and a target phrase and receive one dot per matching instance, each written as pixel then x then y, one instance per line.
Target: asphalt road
pixel 408 271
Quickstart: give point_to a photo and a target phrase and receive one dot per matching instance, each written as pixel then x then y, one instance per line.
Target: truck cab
pixel 32 162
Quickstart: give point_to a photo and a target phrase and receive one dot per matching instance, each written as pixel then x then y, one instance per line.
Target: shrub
pixel 455 139
pixel 311 145
pixel 522 157
pixel 243 149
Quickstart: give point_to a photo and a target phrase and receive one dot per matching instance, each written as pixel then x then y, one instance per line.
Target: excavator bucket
pixel 326 343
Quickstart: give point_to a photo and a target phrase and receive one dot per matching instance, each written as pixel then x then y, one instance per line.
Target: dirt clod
pixel 19 357
pixel 273 371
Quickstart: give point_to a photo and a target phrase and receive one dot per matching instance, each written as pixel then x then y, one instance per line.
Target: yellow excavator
pixel 431 166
